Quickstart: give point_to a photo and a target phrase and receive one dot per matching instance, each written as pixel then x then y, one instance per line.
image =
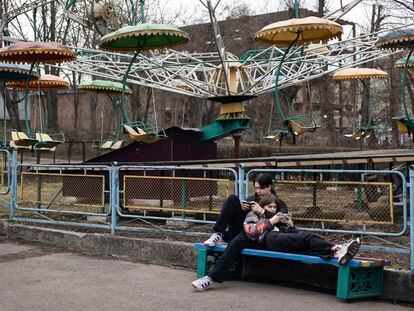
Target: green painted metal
pixel 369 100
pixel 183 196
pixel 4 116
pixel 69 4
pixel 142 10
pixel 408 117
pixel 201 262
pixel 360 282
pixel 401 62
pixel 222 128
pixel 124 87
pixel 26 103
pixel 297 13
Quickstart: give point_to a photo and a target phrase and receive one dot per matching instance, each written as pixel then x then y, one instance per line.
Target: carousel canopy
pixel 143 37
pixel 36 52
pixel 359 73
pixel 310 29
pixel 104 87
pixel 44 83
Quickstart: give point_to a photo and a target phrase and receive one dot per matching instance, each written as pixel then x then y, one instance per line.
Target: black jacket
pixel 281 206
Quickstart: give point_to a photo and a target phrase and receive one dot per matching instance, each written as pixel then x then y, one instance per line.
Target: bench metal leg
pixel 359 282
pixel 201 263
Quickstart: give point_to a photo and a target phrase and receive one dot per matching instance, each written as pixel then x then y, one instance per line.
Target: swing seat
pixel 137 134
pixel 301 124
pixel 46 142
pixel 117 144
pixel 404 124
pixel 362 132
pixel 13 145
pixel 277 135
pixel 20 139
pixel 106 144
pixel 53 149
pixel 357 134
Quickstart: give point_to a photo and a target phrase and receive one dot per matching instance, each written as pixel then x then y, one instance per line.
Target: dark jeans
pixel 230 255
pixel 232 217
pixel 299 243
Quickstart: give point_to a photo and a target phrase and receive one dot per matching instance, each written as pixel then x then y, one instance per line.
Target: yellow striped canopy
pixel 38 52
pixel 359 73
pixel 311 30
pixel 44 83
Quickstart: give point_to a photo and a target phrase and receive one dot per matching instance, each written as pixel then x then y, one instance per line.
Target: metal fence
pixel 174 193
pixel 352 201
pixel 5 171
pixel 367 203
pixel 62 194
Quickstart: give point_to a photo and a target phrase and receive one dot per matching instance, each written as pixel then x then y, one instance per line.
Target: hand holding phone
pixel 286 216
pixel 246 205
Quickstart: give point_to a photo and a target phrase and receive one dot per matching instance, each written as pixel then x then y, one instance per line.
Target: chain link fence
pixel 197 193
pixel 341 200
pixel 79 190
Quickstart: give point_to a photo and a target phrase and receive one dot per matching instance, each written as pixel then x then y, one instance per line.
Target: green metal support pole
pixel 142 11
pixel 38 190
pixel 279 68
pixel 369 99
pixel 183 196
pixel 123 95
pixel 118 121
pixel 403 83
pixel 296 8
pixel 4 115
pixel 26 104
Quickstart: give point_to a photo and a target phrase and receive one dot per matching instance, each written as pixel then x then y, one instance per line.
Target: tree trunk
pixel 12 107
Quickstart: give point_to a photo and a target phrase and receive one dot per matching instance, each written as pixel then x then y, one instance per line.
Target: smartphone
pixel 247 203
pixel 287 215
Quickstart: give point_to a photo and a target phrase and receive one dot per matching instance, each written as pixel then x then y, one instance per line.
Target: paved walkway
pixel 36 277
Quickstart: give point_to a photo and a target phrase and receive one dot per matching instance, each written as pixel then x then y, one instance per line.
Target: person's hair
pixel 268 199
pixel 264 180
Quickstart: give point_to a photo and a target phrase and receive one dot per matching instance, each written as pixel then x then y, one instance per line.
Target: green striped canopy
pixel 401 62
pixel 143 37
pixel 104 86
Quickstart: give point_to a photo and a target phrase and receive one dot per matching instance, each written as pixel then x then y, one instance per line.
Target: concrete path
pixel 37 277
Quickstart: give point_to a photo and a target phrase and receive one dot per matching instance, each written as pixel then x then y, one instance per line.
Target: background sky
pixel 194 7
pixel 193 12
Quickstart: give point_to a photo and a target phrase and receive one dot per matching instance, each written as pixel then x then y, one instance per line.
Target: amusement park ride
pixel 293 55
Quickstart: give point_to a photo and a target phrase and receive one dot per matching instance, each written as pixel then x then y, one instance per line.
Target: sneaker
pixel 214 240
pixel 202 284
pixel 348 251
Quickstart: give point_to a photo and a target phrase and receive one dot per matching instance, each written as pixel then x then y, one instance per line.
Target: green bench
pixel 360 278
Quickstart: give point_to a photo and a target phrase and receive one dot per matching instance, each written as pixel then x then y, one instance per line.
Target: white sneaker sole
pixel 198 288
pixel 351 252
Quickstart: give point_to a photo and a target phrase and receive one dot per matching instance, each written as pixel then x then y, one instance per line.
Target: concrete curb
pixel 398 285
pixel 158 252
